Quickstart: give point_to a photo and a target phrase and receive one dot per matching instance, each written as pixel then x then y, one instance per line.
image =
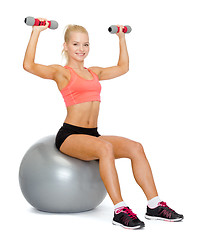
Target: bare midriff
pixel 83 114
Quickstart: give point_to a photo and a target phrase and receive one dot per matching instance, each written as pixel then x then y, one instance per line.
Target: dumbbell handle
pixel 116 29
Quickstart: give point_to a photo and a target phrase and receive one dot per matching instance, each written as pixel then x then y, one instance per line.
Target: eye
pixel 75 44
pixel 86 44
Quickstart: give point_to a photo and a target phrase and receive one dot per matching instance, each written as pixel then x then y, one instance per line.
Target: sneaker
pixel 163 212
pixel 125 218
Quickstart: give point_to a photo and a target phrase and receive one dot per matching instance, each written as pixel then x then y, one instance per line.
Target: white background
pixel 155 103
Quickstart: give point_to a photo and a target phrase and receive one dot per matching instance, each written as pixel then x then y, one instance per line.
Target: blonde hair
pixel 68 29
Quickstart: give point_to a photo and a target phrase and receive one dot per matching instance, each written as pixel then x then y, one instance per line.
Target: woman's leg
pixel 88 148
pixel 143 174
pixel 126 148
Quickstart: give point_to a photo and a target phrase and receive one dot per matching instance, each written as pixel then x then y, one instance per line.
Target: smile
pixel 80 54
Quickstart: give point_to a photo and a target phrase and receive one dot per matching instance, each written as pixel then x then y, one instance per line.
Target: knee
pixel 106 149
pixel 138 148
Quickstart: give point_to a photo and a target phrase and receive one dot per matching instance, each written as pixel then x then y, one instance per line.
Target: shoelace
pixel 129 212
pixel 163 204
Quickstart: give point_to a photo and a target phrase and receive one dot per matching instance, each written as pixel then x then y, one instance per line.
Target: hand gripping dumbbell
pixel 116 29
pixel 31 21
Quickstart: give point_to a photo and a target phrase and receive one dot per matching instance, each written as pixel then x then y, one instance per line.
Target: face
pixel 78 46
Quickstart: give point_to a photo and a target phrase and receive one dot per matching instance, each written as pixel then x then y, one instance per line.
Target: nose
pixel 81 47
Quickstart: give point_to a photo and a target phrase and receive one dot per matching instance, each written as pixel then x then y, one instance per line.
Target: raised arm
pixel 48 72
pixel 123 62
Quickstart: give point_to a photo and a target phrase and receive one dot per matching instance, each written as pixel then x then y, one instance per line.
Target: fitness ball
pixel 54 182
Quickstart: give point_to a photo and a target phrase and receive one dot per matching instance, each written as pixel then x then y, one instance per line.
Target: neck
pixel 76 65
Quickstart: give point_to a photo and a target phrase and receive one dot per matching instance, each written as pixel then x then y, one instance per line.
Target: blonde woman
pixel 79 137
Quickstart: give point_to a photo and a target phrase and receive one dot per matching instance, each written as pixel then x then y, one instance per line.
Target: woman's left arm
pixel 123 62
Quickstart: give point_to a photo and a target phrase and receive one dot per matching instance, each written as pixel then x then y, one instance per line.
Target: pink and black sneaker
pixel 163 212
pixel 125 218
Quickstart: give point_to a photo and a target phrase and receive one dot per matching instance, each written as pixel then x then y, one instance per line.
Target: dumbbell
pixel 116 29
pixel 31 21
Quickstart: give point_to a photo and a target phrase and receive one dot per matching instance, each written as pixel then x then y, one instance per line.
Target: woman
pixel 79 138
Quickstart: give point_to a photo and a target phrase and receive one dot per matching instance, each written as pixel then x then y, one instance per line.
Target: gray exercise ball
pixel 54 182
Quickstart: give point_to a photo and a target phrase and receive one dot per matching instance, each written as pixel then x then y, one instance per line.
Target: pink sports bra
pixel 81 90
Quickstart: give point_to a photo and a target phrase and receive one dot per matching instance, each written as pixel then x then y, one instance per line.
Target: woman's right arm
pixel 47 72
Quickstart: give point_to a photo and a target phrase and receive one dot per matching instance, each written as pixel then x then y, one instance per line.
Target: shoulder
pixel 62 75
pixel 96 70
pixel 58 67
pixel 61 70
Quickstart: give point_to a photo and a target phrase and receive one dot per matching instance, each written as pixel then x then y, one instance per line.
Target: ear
pixel 65 46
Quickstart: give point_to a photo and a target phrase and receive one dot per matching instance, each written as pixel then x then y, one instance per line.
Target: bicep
pixel 110 72
pixel 43 71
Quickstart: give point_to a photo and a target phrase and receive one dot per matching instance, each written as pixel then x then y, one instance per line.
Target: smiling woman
pixel 79 137
pixel 76 43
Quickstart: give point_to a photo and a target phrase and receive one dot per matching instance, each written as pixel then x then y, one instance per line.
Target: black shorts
pixel 67 129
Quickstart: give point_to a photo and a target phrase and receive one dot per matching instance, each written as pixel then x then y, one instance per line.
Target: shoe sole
pixel 126 227
pixel 163 219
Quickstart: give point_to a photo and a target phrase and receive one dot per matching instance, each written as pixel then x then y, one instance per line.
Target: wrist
pixel 122 37
pixel 36 31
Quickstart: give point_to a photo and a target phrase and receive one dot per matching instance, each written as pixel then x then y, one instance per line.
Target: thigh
pixel 122 147
pixel 84 147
